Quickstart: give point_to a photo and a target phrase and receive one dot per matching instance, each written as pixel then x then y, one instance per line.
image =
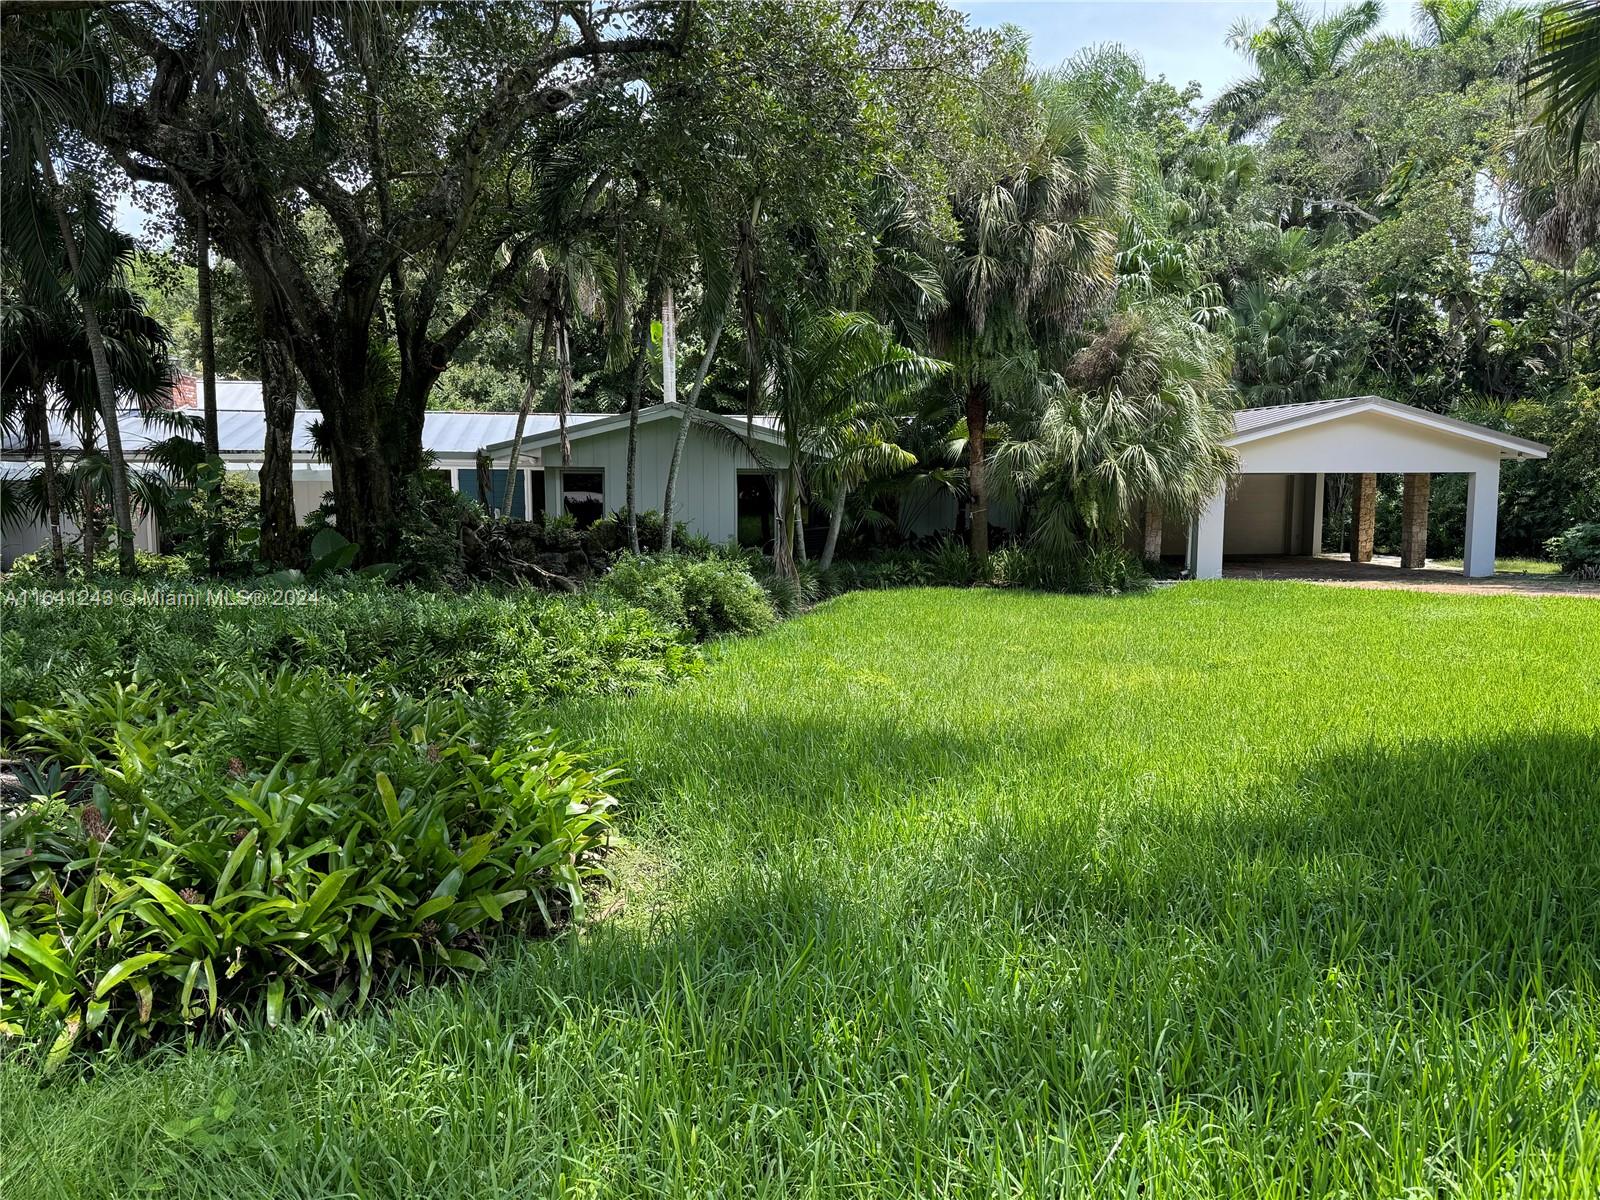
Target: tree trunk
pixel 86 525
pixel 835 523
pixel 52 484
pixel 121 502
pixel 563 383
pixel 977 482
pixel 1152 531
pixel 535 383
pixel 216 539
pixel 278 520
pixel 641 357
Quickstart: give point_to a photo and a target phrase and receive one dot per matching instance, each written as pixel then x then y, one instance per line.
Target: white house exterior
pixel 1273 505
pixel 730 465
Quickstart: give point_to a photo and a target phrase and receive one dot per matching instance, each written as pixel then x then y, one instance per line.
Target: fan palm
pixel 1564 74
pixel 1139 417
pixel 1035 252
pixel 1294 47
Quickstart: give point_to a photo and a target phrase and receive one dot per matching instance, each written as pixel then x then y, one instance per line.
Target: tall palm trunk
pixel 694 392
pixel 89 540
pixel 52 482
pixel 641 357
pixel 564 382
pixel 835 523
pixel 535 383
pixel 977 479
pixel 121 503
pixel 215 541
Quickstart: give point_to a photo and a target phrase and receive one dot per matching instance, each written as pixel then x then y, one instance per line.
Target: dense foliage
pixel 525 645
pixel 286 843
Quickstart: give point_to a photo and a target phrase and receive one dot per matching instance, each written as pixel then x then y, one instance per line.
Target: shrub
pixel 609 535
pixel 289 845
pixel 523 644
pixel 223 503
pixel 34 569
pixel 708 597
pixel 1577 551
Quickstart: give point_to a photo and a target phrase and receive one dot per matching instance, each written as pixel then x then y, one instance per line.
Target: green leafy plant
pixel 1578 550
pixel 707 597
pixel 288 846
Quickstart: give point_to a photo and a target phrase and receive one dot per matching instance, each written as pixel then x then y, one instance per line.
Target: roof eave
pixel 1509 444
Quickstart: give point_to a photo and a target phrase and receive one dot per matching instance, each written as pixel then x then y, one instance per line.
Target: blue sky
pixel 1181 39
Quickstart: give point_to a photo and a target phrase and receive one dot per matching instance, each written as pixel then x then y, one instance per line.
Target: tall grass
pixel 1230 889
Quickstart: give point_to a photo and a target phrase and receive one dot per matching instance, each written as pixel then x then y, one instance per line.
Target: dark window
pixel 583 496
pixel 494 496
pixel 755 511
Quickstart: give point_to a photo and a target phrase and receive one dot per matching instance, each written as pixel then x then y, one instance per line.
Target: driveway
pixel 1385 572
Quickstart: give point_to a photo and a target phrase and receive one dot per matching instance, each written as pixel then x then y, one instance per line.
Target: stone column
pixel 1414 521
pixel 1363 517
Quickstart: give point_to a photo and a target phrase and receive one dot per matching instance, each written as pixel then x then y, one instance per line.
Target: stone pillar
pixel 1414 521
pixel 1363 517
pixel 1317 488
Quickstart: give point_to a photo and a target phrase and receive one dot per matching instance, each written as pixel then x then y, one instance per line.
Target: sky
pixel 1181 39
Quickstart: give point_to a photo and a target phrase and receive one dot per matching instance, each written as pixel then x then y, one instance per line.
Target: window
pixel 495 495
pixel 583 496
pixel 755 510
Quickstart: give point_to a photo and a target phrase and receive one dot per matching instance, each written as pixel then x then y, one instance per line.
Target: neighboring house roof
pixel 761 428
pixel 1255 424
pixel 242 432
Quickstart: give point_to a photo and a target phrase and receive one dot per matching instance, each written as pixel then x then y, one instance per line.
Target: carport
pixel 1273 504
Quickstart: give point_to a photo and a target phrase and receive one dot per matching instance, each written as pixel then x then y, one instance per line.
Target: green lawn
pixel 1229 889
pixel 1507 566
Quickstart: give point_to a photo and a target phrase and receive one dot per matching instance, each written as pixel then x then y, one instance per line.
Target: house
pixel 727 480
pixel 1273 505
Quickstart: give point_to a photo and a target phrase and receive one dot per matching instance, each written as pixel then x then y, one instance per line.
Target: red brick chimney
pixel 184 392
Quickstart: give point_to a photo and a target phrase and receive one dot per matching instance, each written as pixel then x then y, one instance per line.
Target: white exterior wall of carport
pixel 1365 442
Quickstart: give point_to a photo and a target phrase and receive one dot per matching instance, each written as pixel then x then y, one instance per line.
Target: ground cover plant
pixel 283 846
pixel 1222 889
pixel 524 644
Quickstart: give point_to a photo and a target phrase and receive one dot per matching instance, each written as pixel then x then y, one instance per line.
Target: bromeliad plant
pixel 288 847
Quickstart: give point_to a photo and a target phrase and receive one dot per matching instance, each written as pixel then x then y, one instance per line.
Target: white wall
pixel 1366 442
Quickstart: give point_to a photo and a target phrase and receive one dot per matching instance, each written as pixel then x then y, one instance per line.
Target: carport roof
pixel 1254 424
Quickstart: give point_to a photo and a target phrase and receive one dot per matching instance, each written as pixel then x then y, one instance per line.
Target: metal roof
pixel 1254 418
pixel 1253 424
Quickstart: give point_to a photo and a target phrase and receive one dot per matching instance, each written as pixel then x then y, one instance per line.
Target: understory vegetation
pixel 1183 900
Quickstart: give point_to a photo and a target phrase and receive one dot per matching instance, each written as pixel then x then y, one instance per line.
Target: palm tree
pixel 1034 254
pixel 1293 48
pixel 56 76
pixel 1139 418
pixel 1564 74
pixel 839 381
pixel 44 372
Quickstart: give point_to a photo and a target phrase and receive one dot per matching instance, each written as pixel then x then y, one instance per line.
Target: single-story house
pixel 1273 504
pixel 727 480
